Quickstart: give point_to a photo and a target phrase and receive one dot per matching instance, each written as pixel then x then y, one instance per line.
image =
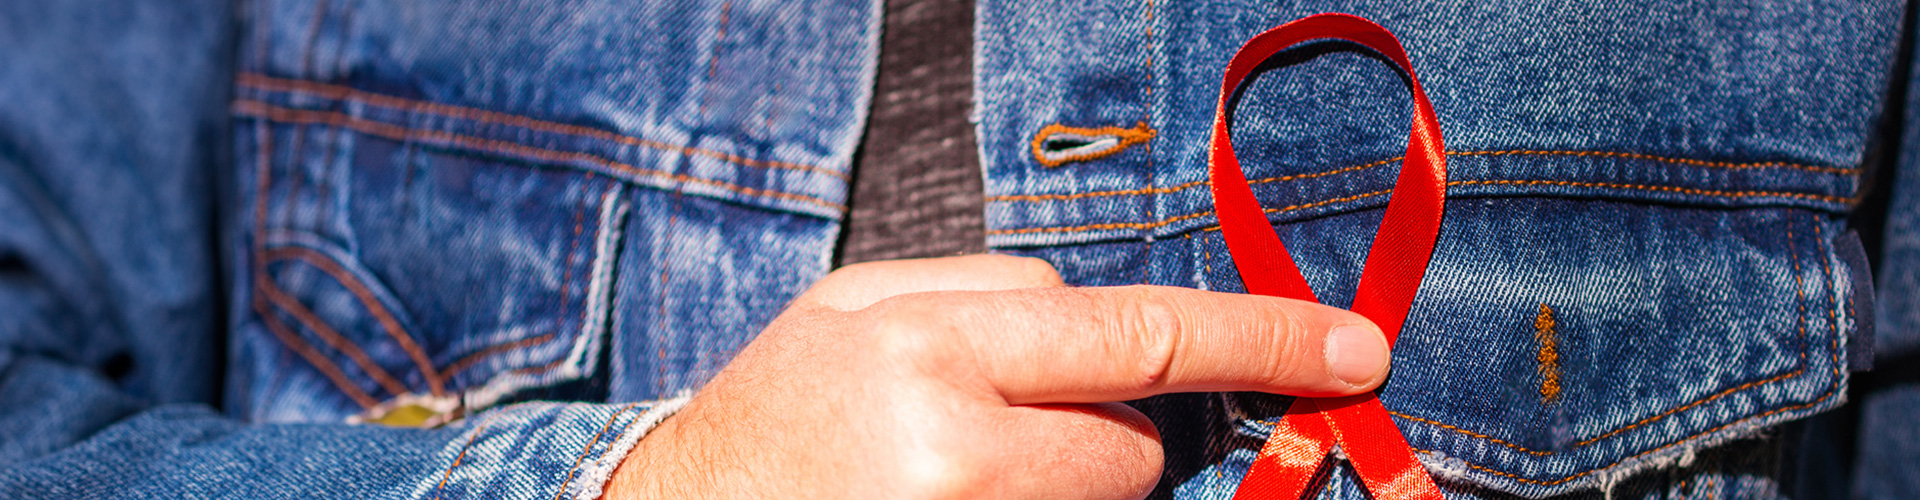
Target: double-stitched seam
pixel 388 322
pixel 1304 206
pixel 306 351
pixel 401 133
pixel 272 293
pixel 1832 387
pixel 1396 159
pixel 264 158
pixel 469 360
pixel 458 458
pixel 341 93
pixel 589 448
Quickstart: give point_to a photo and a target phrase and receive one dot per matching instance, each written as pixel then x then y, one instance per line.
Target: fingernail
pixel 1356 354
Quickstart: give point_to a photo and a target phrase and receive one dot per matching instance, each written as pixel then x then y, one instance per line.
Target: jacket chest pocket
pixel 408 276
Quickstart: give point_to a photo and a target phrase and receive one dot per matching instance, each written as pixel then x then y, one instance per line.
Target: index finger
pixel 1079 345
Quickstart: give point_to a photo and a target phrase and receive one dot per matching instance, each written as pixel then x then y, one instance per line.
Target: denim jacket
pixel 333 248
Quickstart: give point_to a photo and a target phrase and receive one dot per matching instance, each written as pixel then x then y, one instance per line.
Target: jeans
pixel 337 248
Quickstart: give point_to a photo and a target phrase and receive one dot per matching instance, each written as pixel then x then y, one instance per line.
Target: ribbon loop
pixel 1395 265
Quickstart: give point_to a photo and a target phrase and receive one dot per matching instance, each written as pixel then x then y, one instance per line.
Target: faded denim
pixel 398 213
pixel 231 241
pixel 1641 258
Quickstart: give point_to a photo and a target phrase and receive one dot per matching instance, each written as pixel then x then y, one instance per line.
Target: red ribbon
pixel 1291 459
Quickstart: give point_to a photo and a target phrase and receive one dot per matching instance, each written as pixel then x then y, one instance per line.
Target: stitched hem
pixel 1725 165
pixel 1497 182
pixel 269 112
pixel 594 476
pixel 336 92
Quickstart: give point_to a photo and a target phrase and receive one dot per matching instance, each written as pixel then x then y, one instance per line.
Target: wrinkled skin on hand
pixel 981 377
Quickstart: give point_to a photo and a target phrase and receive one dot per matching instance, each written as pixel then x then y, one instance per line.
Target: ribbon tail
pixel 1379 454
pixel 1290 463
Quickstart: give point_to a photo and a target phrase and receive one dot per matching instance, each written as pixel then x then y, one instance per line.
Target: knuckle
pixel 1152 335
pixel 939 476
pixel 1288 343
pixel 905 326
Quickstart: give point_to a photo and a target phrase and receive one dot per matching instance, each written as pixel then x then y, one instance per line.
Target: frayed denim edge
pixel 594 476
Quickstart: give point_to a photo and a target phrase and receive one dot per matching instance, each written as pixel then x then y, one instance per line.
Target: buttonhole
pixel 1058 144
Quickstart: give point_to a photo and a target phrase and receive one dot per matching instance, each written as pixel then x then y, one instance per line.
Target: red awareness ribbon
pixel 1291 459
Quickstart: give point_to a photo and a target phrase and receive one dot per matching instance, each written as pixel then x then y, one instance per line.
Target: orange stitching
pixel 272 292
pixel 1298 177
pixel 1140 133
pixel 1791 252
pixel 267 83
pixel 467 362
pixel 458 458
pixel 1549 356
pixel 1672 189
pixel 1182 187
pixel 1146 145
pixel 391 325
pixel 399 133
pixel 1826 269
pixel 450 370
pixel 1641 454
pixel 1303 206
pixel 305 350
pixel 713 59
pixel 589 448
pixel 1208 262
pixel 1637 156
pixel 279 329
pixel 1831 388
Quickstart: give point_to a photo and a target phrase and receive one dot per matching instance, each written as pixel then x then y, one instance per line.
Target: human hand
pixel 981 377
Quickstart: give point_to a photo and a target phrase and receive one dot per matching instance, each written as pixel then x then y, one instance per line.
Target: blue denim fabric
pixel 1888 448
pixel 1638 261
pixel 421 211
pixel 676 188
pixel 440 208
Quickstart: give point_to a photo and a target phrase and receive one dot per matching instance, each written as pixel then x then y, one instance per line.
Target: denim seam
pixel 269 112
pixel 286 336
pixel 281 240
pixel 342 93
pixel 1832 387
pixel 279 298
pixel 1356 168
pixel 1146 147
pixel 306 351
pixel 589 448
pixel 584 352
pixel 594 476
pixel 1523 182
pixel 325 263
pixel 713 58
pixel 461 457
pixel 468 361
